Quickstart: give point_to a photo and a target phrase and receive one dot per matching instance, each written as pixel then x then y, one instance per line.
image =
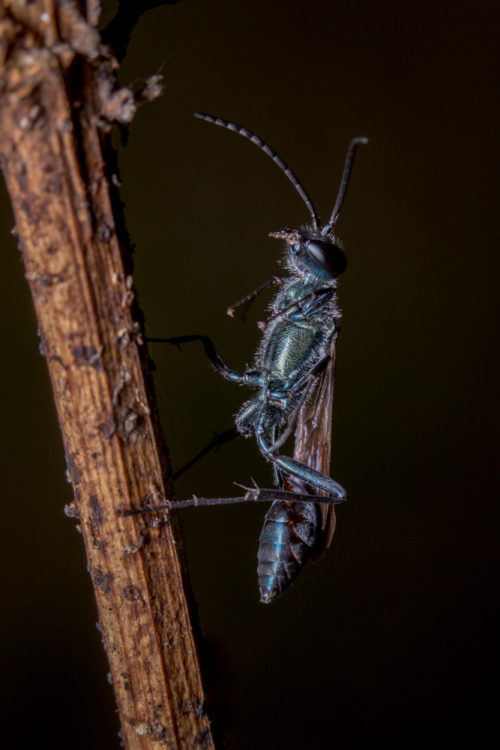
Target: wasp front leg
pixel 305 308
pixel 249 377
pixel 248 299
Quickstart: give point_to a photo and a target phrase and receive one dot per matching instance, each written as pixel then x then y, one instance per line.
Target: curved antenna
pixel 270 152
pixel 351 153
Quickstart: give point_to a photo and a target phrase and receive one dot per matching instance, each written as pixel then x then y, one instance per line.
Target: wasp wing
pixel 294 532
pixel 313 440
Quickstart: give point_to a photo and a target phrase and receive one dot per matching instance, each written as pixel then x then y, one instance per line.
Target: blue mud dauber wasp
pixel 294 375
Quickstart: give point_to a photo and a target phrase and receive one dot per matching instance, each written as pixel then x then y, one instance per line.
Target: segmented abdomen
pixel 286 541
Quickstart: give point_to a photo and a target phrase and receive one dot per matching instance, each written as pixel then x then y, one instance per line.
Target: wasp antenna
pixel 270 152
pixel 349 160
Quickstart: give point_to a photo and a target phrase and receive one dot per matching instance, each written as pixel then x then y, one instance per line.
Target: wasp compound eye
pixel 328 256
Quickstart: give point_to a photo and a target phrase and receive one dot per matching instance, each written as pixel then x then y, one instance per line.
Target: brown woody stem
pixel 58 98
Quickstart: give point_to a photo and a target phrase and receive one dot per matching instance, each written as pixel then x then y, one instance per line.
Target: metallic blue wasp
pixel 293 375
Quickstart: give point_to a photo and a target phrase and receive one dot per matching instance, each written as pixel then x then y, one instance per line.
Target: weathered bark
pixel 57 101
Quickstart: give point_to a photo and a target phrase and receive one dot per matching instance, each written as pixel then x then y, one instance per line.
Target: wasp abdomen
pixel 286 541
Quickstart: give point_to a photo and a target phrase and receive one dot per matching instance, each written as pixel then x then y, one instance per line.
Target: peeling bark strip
pixel 57 99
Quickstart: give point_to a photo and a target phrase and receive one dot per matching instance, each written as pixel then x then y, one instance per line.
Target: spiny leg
pixel 249 298
pixel 252 495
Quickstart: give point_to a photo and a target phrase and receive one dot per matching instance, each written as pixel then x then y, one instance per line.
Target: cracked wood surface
pixel 57 101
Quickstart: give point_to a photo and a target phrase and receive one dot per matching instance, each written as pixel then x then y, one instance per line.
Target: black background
pixel 390 637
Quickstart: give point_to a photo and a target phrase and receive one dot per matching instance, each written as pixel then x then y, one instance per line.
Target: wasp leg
pixel 249 298
pixel 310 376
pixel 252 495
pixel 310 476
pixel 218 440
pixel 307 379
pixel 296 468
pixel 245 378
pixel 308 305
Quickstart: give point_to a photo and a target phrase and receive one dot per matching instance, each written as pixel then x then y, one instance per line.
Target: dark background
pixel 390 637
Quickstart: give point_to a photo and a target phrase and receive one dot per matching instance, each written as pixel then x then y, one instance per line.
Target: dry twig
pixel 58 99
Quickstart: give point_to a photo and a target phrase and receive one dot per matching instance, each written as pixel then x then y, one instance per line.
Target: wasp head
pixel 310 252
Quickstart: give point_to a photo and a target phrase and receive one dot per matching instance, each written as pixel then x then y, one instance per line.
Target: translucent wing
pixel 313 440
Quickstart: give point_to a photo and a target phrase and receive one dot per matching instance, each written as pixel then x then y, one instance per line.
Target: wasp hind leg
pixel 293 468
